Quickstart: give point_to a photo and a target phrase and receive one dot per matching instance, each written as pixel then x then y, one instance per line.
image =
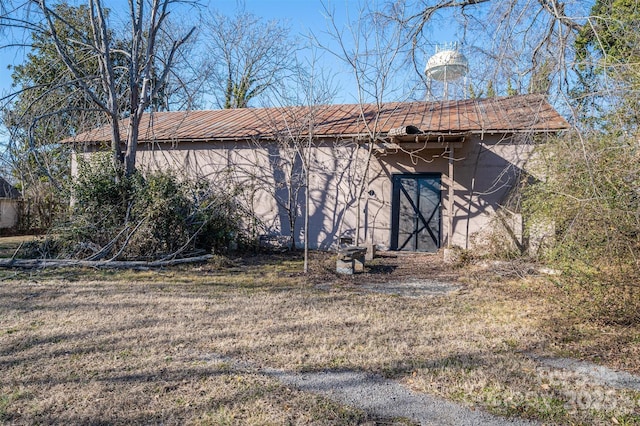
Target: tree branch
pixel 100 264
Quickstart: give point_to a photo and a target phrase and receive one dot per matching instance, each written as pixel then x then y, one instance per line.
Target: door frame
pixel 395 205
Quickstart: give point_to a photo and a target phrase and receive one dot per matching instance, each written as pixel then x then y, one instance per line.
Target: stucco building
pixel 405 176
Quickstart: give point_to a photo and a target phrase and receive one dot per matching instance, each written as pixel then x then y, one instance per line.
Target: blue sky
pixel 302 16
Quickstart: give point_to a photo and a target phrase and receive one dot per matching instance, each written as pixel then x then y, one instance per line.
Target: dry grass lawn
pixel 81 346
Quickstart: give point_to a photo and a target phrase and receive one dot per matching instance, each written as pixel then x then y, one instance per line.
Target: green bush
pixel 145 216
pixel 591 194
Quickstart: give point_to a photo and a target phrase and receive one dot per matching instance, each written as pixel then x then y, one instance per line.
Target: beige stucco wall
pixel 485 170
pixel 9 212
pixel 262 175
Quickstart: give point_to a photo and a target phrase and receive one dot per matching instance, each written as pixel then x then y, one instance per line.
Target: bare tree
pixel 282 166
pixel 584 56
pixel 146 73
pixel 516 44
pixel 246 57
pixel 45 108
pixel 304 98
pixel 373 50
pixel 185 85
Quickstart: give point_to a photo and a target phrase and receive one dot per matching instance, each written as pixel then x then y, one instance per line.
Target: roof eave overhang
pixel 440 141
pixel 437 139
pixel 515 131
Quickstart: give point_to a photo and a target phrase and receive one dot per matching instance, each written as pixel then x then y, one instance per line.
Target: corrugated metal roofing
pixel 505 115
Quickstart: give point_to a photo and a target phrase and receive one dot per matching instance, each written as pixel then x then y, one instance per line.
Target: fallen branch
pixel 102 264
pixel 104 251
pixel 15 253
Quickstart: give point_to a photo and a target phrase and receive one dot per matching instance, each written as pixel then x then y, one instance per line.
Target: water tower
pixel 448 64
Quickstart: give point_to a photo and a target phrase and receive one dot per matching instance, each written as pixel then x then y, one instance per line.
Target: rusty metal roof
pixel 503 115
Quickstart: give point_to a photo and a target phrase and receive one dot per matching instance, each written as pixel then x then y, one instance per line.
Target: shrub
pixel 591 195
pixel 145 216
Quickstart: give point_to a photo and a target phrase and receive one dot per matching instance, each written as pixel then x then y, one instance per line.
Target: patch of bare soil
pixel 408 273
pixel 413 287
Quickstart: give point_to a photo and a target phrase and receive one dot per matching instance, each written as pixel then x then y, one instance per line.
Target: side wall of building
pixel 485 171
pixel 9 212
pixel 268 178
